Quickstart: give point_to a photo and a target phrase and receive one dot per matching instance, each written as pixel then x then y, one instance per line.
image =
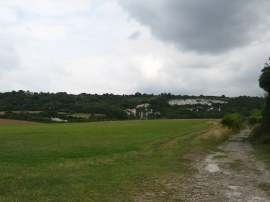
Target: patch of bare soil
pixel 10 122
pixel 232 174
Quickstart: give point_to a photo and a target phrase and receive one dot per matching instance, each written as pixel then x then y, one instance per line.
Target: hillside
pixel 92 107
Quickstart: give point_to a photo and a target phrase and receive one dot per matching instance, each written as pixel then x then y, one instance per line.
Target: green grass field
pixel 103 161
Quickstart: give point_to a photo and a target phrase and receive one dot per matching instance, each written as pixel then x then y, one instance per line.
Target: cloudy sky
pixel 190 47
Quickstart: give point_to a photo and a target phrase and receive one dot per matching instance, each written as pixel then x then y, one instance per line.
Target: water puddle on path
pixel 211 165
pixel 212 168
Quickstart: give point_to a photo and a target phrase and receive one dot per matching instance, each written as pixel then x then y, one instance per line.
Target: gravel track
pixel 232 174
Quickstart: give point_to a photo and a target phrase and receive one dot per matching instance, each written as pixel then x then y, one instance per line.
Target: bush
pixel 234 121
pixel 255 117
pixel 266 115
pixel 260 136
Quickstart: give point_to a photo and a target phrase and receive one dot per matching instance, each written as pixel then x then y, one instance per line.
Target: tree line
pixel 113 106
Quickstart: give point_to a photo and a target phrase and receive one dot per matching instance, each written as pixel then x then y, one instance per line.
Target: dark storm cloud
pixel 206 26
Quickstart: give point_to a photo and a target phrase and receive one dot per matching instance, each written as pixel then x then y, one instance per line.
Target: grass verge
pixel 261 142
pixel 235 165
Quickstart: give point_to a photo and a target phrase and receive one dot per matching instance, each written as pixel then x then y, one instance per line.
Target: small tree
pixel 264 79
pixel 264 82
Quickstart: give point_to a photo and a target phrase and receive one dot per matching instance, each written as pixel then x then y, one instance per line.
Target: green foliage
pixel 243 105
pixel 264 82
pixel 234 121
pixel 260 135
pixel 116 113
pixel 266 114
pixel 264 79
pixel 114 106
pixel 235 165
pixel 255 117
pixel 37 117
pixel 46 117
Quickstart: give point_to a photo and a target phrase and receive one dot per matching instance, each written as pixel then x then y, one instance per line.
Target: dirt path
pixel 232 174
pixel 11 122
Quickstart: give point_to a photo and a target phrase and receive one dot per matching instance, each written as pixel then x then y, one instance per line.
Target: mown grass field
pixel 104 161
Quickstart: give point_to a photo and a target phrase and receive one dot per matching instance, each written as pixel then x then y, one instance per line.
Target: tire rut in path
pixel 232 174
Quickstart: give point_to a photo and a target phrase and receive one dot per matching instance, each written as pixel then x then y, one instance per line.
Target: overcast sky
pixel 192 47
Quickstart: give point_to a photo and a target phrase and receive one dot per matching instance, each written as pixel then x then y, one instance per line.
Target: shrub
pixel 259 135
pixel 234 121
pixel 255 117
pixel 266 115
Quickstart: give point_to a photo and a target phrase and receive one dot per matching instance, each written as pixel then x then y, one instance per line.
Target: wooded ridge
pixel 119 107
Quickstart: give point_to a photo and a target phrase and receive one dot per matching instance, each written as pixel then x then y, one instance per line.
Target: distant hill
pixel 119 107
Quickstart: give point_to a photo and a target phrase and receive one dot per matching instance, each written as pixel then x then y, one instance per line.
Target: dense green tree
pixel 264 82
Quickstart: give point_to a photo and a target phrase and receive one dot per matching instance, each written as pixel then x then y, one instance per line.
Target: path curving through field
pixel 232 174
